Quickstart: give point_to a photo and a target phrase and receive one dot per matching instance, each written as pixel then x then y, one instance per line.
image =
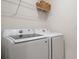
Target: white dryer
pixel 56 43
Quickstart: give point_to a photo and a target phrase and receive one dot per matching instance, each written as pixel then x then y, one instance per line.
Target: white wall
pixel 65 22
pixel 12 22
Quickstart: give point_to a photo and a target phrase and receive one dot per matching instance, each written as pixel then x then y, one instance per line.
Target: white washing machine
pixel 29 44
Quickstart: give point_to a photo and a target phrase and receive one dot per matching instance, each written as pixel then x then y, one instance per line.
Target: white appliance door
pixel 58 48
pixel 37 49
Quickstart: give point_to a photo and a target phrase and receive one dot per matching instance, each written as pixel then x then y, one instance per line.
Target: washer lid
pixel 26 37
